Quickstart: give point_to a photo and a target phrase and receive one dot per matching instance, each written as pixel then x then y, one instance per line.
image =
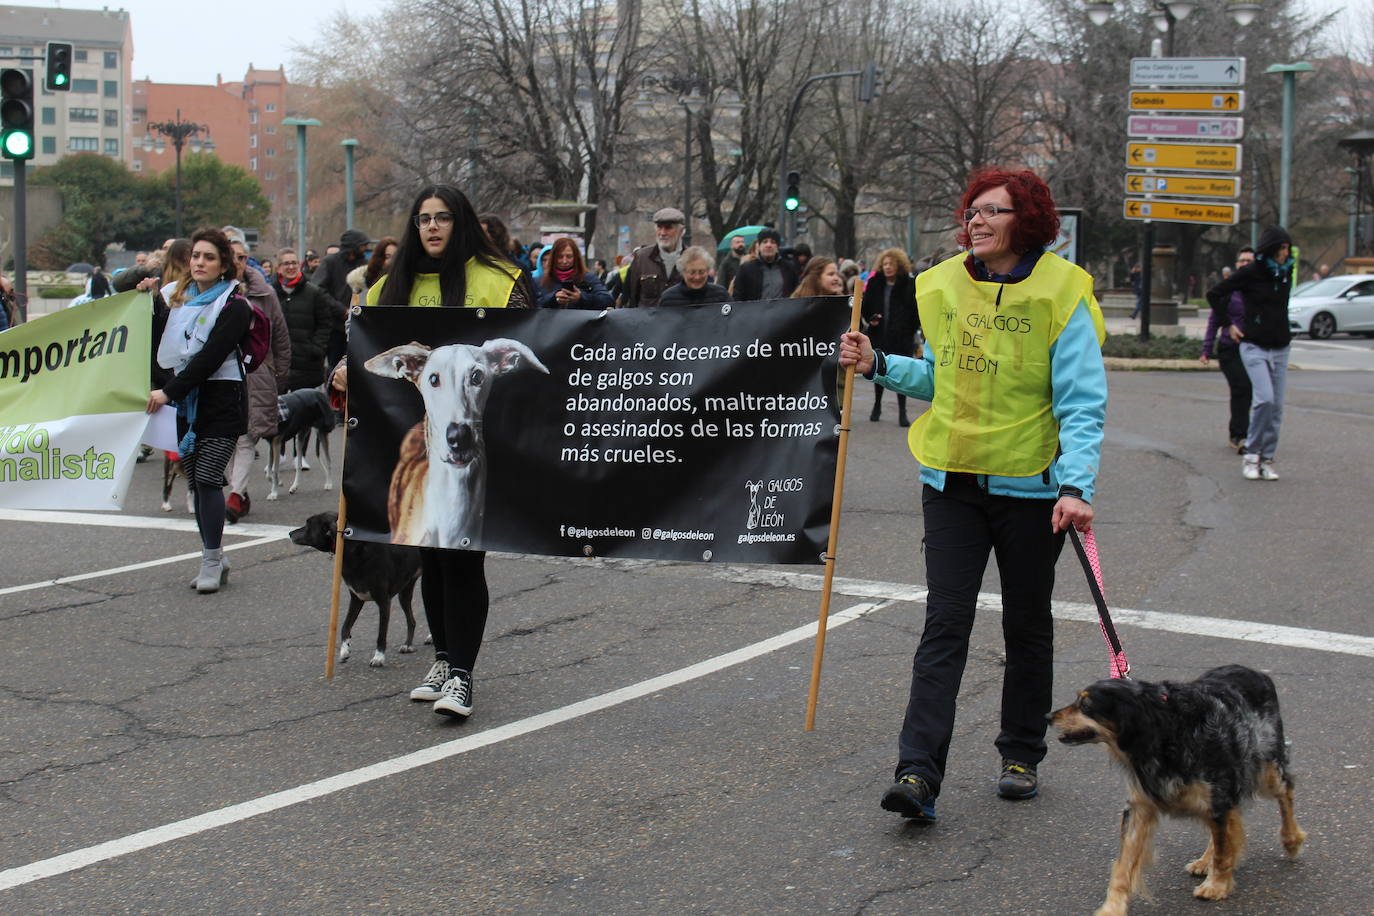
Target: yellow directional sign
pixel 1210 157
pixel 1182 211
pixel 1214 101
pixel 1183 185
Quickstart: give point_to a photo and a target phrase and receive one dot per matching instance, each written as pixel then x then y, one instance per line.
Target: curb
pixel 1125 364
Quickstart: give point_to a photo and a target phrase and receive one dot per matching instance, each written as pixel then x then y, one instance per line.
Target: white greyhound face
pixel 455 382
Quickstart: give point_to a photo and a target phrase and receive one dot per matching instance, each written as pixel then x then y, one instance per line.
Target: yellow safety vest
pixel 992 411
pixel 487 287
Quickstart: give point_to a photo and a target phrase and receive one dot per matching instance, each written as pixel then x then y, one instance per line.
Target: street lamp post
pixel 1290 88
pixel 1163 14
pixel 180 133
pixel 300 124
pixel 349 145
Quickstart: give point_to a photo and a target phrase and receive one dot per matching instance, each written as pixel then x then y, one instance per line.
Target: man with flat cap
pixel 654 267
pixel 332 277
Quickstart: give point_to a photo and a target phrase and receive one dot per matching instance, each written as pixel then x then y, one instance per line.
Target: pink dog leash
pixel 1086 547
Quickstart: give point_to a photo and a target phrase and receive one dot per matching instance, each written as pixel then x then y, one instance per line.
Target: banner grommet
pixel 355 311
pixel 706 555
pixel 725 309
pixel 352 422
pixel 465 543
pixel 481 313
pixel 838 429
pixel 348 531
pixel 587 550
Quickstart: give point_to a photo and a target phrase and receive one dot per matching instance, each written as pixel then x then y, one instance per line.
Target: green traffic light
pixel 18 144
pixel 791 203
pixel 60 79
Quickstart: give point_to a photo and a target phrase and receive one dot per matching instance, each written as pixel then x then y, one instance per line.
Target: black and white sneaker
pixel 457 698
pixel 432 687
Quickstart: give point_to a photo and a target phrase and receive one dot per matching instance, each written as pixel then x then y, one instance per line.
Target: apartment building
pixel 94 116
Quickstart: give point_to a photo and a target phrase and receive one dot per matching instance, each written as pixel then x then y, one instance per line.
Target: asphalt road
pixel 637 745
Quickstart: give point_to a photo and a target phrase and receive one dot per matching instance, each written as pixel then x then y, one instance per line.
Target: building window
pixel 49 115
pixel 253 164
pixel 268 177
pixel 85 85
pixel 111 117
pixel 6 169
pixel 79 56
pixel 111 60
pixel 270 129
pixel 135 120
pixel 27 52
pixel 270 152
pixel 136 165
pixel 49 146
pixel 253 116
pixel 6 51
pixel 83 144
pixel 271 198
pixel 83 115
pixel 112 89
pixel 111 146
pixel 252 141
pixel 270 106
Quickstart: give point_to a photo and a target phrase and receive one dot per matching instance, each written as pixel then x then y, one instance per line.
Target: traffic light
pixel 869 84
pixel 16 114
pixel 58 77
pixel 792 199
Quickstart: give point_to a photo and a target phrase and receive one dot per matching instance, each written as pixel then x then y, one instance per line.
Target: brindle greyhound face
pixel 455 382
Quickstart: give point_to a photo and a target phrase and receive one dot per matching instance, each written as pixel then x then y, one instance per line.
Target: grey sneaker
pixel 1267 471
pixel 1250 467
pixel 457 698
pixel 432 687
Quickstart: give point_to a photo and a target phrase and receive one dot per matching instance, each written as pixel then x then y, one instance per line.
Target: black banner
pixel 698 433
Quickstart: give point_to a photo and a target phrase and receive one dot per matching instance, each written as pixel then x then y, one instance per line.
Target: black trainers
pixel 910 797
pixel 1018 780
pixel 456 696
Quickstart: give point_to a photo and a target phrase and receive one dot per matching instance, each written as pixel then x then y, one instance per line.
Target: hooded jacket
pixel 1265 285
pixel 310 318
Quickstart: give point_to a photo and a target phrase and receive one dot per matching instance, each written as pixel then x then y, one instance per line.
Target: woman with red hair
pixel 568 284
pixel 1009 451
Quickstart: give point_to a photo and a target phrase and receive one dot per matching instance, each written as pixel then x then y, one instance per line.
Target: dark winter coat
pixel 594 294
pixel 332 277
pixel 1265 286
pixel 271 378
pixel 894 332
pixel 682 294
pixel 310 318
pixel 749 280
pixel 647 278
pixel 222 409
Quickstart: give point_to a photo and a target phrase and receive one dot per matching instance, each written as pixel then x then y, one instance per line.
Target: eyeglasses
pixel 986 211
pixel 442 218
pixel 288 263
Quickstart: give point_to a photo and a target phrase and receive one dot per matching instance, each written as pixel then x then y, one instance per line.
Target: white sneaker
pixel 1267 471
pixel 432 687
pixel 1251 467
pixel 457 698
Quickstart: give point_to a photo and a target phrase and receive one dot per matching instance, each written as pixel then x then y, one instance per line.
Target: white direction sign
pixel 1185 127
pixel 1187 71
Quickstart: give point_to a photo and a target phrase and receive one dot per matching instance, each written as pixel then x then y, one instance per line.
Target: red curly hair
pixel 1037 219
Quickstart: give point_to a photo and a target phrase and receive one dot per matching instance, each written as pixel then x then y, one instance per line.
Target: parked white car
pixel 1333 304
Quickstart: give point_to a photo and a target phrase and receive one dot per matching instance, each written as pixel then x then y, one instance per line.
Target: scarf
pixel 186 407
pixel 564 276
pixel 290 285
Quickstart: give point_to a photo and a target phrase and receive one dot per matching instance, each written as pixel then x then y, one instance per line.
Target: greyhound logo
pixel 755 510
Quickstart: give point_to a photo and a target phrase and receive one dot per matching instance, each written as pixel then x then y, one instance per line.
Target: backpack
pixel 257 340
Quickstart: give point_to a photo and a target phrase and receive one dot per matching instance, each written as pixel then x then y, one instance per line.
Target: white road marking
pixel 156 836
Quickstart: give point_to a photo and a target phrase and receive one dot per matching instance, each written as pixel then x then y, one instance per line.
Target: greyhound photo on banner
pixel 699 433
pixel 73 386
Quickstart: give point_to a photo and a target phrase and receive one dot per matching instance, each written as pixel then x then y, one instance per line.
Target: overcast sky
pixel 166 51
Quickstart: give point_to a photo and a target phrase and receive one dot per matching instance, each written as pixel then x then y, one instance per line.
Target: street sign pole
pixel 21 239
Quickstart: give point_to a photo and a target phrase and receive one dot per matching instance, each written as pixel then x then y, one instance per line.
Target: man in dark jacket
pixel 1264 340
pixel 729 267
pixel 332 277
pixel 769 276
pixel 654 267
pixel 309 318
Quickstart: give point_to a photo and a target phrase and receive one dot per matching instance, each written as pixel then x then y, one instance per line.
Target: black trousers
pixel 963 525
pixel 1239 382
pixel 453 584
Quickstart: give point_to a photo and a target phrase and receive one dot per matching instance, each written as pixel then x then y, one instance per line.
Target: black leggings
pixel 963 525
pixel 205 475
pixel 1238 380
pixel 454 586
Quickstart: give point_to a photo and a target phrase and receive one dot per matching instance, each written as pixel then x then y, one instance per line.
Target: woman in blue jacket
pixel 567 284
pixel 1009 450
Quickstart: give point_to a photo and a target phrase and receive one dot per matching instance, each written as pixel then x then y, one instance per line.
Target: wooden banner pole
pixel 836 502
pixel 338 558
